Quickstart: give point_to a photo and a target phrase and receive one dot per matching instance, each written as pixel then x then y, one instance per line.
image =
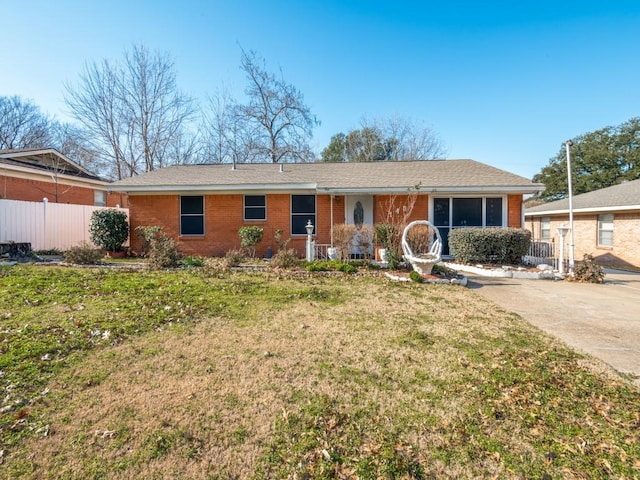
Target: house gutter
pixel 231 189
pixel 583 210
pixel 447 189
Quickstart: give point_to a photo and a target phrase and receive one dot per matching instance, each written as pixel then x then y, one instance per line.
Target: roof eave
pixel 49 173
pixel 617 208
pixel 171 189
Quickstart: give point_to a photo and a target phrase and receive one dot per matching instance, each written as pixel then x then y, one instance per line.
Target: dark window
pixel 441 212
pixel 493 216
pixel 303 209
pixel 192 215
pixel 255 207
pixel 467 212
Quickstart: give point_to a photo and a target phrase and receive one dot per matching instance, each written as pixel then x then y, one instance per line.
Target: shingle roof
pixel 47 159
pixel 625 196
pixel 432 175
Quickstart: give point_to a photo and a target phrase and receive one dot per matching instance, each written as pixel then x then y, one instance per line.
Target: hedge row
pixel 489 245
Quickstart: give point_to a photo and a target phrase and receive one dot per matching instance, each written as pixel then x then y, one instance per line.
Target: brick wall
pixel 626 247
pixel 514 211
pixel 224 217
pixel 384 203
pixel 31 190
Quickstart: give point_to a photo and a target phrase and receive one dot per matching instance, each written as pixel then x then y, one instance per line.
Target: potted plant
pixel 109 230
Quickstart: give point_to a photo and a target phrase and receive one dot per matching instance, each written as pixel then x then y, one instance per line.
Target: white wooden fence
pixel 44 224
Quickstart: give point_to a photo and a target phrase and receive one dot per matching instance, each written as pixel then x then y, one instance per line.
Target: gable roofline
pixel 623 196
pixel 67 179
pixel 20 153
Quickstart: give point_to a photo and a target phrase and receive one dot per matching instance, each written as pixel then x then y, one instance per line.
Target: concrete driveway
pixel 601 320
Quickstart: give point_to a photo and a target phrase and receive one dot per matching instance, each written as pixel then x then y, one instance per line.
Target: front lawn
pixel 202 373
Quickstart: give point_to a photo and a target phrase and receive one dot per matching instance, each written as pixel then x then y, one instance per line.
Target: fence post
pixel 45 201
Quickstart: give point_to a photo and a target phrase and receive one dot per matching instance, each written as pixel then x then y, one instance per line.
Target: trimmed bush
pixel 489 245
pixel 109 229
pixel 250 236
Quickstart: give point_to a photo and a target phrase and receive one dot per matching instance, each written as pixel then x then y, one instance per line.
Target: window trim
pixel 292 214
pixel 244 209
pixel 505 207
pixel 193 215
pixel 601 229
pixel 547 221
pixel 103 202
pixel 451 198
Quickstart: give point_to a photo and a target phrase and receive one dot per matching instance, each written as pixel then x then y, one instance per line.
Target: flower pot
pixel 332 253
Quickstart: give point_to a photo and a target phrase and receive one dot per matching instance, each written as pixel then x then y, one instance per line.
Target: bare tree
pixel 278 122
pixel 134 112
pixel 226 135
pixel 23 125
pixel 407 139
pixel 73 142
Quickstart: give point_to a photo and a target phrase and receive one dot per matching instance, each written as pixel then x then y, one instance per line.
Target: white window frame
pixel 605 224
pixel 545 226
pixel 99 198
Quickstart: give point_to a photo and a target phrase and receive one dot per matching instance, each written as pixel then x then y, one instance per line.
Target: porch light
pixel 309 228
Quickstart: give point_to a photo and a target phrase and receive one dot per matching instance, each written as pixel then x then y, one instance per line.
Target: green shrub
pixel 109 229
pixel 83 254
pixel 188 262
pixel 489 245
pixel 415 277
pixel 250 236
pixel 333 265
pixel 233 258
pixel 285 258
pixel 385 234
pixel 588 270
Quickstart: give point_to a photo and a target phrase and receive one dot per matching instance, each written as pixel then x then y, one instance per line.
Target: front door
pixel 359 212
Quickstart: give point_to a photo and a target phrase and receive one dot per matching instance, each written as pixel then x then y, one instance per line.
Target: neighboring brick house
pixel 32 174
pixel 203 206
pixel 606 223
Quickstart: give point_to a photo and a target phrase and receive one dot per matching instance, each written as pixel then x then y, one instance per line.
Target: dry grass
pixel 347 377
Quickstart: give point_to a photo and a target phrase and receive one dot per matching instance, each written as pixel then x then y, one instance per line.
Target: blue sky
pixel 504 83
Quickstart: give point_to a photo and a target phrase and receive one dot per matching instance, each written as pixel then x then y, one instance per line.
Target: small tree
pixel 109 229
pixel 250 236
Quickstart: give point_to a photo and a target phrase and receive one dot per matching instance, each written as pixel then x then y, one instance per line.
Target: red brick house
pixel 32 174
pixel 203 206
pixel 606 224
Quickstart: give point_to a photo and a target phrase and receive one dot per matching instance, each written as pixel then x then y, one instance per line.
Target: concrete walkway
pixel 601 320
